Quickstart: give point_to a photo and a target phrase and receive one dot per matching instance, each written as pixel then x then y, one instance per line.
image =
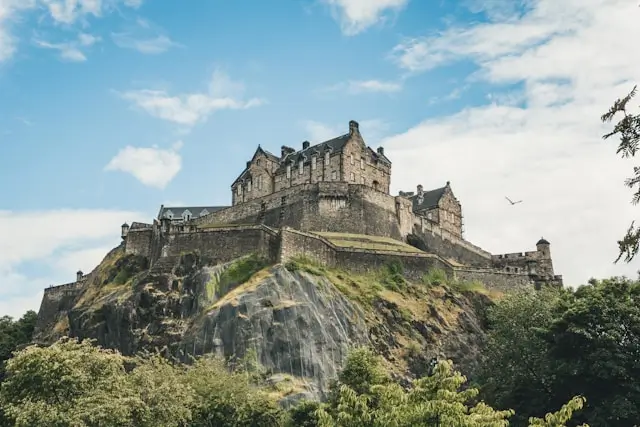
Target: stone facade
pixel 345 158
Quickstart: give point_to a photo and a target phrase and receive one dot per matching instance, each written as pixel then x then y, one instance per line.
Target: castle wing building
pixel 345 158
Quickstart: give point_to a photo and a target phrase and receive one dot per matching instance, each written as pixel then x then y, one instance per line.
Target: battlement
pixel 516 255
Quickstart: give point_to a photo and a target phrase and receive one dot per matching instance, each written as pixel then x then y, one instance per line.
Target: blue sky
pixel 109 108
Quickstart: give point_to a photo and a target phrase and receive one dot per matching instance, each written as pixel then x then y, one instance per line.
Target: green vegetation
pixel 77 384
pixel 435 277
pixel 628 130
pixel 549 345
pixel 239 272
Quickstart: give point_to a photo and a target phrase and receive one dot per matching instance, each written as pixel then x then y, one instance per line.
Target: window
pixel 314 163
pixel 361 163
pixel 352 159
pixel 327 158
pixel 353 176
pixel 249 186
pixel 334 175
pixel 258 162
pixel 300 167
pixel 429 216
pixel 288 171
pixel 260 182
pixel 186 215
pixel 362 180
pixel 239 189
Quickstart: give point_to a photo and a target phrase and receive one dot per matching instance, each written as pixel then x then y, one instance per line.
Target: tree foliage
pixel 546 347
pixel 628 130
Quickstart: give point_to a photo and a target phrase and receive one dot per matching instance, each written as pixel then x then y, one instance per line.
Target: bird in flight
pixel 512 202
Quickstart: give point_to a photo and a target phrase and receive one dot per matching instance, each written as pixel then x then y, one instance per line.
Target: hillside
pixel 298 320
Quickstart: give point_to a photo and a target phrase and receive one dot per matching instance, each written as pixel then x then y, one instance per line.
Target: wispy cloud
pixel 145 37
pixel 356 87
pixel 189 108
pixel 154 167
pixel 71 50
pixel 355 16
pixel 372 130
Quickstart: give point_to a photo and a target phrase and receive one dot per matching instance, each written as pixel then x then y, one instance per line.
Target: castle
pixel 330 202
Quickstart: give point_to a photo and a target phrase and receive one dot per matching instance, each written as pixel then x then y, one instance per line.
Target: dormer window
pixel 186 215
pixel 314 163
pixel 327 158
pixel 300 167
pixel 288 171
pixel 169 215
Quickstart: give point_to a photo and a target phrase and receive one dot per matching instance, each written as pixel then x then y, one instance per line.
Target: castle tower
pixel 125 230
pixel 545 265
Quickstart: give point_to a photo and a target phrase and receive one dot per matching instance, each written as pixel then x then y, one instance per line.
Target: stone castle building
pixel 331 202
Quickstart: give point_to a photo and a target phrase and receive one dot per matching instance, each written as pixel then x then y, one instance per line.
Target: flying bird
pixel 512 202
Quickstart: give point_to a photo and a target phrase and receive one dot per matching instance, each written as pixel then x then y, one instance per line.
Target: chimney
pixel 305 145
pixel 248 163
pixel 420 190
pixel 353 127
pixel 284 150
pixel 381 151
pixel 79 275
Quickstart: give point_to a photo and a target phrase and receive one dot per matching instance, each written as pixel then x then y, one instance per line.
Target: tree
pixel 628 130
pixel 546 347
pixel 14 334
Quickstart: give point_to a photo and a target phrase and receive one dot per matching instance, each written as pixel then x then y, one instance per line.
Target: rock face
pixel 296 321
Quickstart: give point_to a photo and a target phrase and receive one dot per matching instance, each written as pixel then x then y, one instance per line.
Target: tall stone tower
pixel 545 265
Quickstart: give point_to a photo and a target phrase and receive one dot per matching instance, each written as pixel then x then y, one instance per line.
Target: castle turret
pixel 79 276
pixel 125 230
pixel 545 265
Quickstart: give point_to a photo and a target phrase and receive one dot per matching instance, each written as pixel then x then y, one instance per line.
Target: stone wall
pixel 56 302
pixel 224 244
pixel 138 241
pixel 431 238
pixel 493 279
pixel 296 243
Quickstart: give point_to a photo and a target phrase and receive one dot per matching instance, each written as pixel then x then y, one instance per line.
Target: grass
pixel 209 226
pixel 435 277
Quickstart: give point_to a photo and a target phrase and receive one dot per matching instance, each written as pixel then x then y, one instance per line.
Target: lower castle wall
pixel 138 242
pixel 495 279
pixel 433 239
pixel 295 243
pixel 56 302
pixel 224 244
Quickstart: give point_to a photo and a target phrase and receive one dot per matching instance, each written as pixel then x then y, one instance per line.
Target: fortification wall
pixel 493 279
pixel 297 243
pixel 56 302
pixel 224 244
pixel 138 241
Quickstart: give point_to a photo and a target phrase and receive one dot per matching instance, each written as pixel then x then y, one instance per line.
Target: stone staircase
pixel 164 265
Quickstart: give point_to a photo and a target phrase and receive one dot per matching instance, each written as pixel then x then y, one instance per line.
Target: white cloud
pixel 72 50
pixel 190 108
pixel 64 240
pixel 355 16
pixel 356 87
pixel 145 37
pixel 153 166
pixel 150 46
pixel 66 12
pixel 541 143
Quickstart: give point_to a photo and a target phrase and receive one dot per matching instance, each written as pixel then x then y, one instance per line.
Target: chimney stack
pixel 305 145
pixel 420 188
pixel 381 151
pixel 353 127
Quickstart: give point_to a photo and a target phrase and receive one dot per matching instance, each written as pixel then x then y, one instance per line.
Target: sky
pixel 110 108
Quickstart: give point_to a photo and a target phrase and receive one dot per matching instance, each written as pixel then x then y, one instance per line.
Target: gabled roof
pixel 429 199
pixel 334 145
pixel 196 211
pixel 266 153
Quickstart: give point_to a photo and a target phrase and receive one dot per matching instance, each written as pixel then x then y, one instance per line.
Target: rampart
pixel 223 244
pixel 56 302
pixel 494 279
pixel 298 243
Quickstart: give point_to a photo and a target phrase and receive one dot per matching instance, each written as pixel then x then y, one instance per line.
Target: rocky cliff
pixel 296 320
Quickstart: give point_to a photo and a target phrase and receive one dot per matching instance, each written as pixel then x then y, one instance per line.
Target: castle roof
pixel 429 199
pixel 334 145
pixel 543 241
pixel 196 211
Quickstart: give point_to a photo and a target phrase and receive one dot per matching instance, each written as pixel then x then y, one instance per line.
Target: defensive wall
pixel 346 208
pixel 499 280
pixel 56 302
